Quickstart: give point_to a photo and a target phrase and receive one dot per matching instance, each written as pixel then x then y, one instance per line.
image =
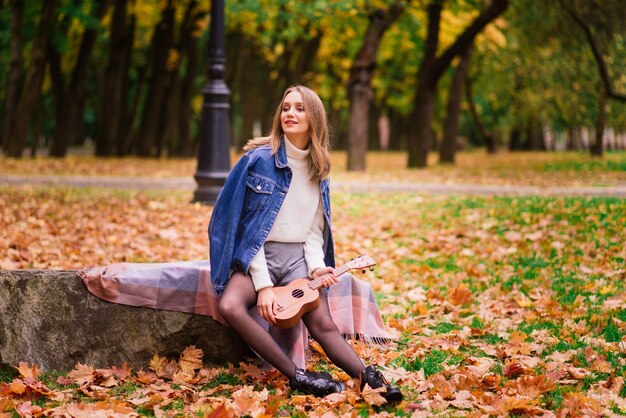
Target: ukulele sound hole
pixel 297 293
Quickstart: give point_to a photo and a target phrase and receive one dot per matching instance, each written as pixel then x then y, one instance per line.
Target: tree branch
pixel 602 67
pixel 495 9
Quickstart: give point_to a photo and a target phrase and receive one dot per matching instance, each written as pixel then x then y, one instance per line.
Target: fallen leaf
pixel 373 396
pixel 27 371
pixel 82 374
pixel 190 359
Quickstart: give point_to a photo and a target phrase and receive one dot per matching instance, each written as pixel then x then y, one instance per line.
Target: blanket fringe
pixel 383 341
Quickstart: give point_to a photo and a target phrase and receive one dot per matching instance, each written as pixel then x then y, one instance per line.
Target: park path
pixel 188 183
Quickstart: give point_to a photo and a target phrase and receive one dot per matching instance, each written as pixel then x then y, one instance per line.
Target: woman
pixel 271 225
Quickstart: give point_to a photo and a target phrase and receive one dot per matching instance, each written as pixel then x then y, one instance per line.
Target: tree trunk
pixel 532 135
pixel 166 135
pixel 597 148
pixel 515 139
pixel 431 70
pixel 29 97
pixel 16 71
pixel 338 136
pixel 420 139
pixel 124 140
pixel 397 130
pixel 36 131
pixel 453 109
pixel 488 137
pixel 295 63
pixel 360 84
pixel 250 98
pixel 114 104
pixel 373 134
pixel 357 127
pixel 162 41
pixel 69 127
pixel 190 48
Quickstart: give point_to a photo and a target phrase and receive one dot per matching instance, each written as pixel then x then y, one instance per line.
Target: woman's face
pixel 293 119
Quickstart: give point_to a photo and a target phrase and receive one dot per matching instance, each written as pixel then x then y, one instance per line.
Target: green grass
pixel 223 379
pixel 7 376
pixel 612 333
pixel 431 363
pixel 445 327
pixel 528 328
pixel 586 166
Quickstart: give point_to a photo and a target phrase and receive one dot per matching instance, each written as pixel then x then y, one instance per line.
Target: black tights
pixel 239 296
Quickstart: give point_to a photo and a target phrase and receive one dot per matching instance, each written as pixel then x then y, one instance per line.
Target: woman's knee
pixel 229 307
pixel 323 325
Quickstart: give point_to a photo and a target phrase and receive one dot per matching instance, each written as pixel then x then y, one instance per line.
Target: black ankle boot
pixel 314 383
pixel 375 380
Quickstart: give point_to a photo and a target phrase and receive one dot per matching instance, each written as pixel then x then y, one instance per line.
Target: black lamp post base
pixel 209 186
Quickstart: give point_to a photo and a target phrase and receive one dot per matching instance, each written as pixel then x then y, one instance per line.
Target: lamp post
pixel 213 153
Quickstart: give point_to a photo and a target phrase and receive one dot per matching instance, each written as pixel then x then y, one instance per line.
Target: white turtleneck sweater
pixel 300 218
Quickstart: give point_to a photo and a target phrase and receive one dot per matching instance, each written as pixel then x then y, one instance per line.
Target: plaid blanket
pixel 185 286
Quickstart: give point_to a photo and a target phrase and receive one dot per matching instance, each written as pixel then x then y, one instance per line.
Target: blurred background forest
pixel 125 77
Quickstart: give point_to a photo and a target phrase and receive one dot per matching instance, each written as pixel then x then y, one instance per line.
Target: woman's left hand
pixel 326 274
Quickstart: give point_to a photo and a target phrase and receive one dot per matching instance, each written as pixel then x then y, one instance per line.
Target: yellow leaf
pixel 156 362
pixel 6 405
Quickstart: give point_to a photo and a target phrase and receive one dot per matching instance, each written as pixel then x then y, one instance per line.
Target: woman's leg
pixel 322 328
pixel 238 297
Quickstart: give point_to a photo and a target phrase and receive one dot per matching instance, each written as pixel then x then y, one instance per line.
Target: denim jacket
pixel 246 209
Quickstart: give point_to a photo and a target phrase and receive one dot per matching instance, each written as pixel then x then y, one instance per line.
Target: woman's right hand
pixel 265 304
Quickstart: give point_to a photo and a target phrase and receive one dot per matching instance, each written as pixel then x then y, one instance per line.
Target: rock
pixel 48 318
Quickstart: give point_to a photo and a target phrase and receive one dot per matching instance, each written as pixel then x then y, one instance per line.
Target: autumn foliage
pixel 504 306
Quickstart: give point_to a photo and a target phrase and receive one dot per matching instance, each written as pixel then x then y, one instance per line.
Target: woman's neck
pixel 299 141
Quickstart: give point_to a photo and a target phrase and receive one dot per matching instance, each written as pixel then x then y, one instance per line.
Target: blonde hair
pixel 318 128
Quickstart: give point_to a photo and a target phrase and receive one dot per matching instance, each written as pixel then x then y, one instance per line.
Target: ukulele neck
pixel 317 283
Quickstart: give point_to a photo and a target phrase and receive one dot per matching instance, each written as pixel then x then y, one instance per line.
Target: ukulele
pixel 302 295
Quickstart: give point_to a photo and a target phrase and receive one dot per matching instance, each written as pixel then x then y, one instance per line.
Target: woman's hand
pixel 266 298
pixel 326 274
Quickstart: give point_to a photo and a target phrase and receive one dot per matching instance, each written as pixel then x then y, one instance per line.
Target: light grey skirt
pixel 285 261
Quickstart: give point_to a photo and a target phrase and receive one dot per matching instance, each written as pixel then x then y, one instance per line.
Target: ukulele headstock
pixel 361 263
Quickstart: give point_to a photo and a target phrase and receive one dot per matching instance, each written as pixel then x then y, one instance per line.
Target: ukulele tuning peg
pixel 371 268
pixel 363 271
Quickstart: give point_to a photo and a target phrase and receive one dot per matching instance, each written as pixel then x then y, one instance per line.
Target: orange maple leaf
pixel 121 373
pixel 372 396
pixel 221 412
pixel 253 372
pixel 164 369
pixel 27 409
pixel 514 370
pixel 82 374
pixel 190 359
pixel 16 387
pixel 577 404
pixel 27 371
pixel 146 377
pixel 506 406
pixel 461 295
pixel 532 386
pixel 248 402
pixel 6 405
